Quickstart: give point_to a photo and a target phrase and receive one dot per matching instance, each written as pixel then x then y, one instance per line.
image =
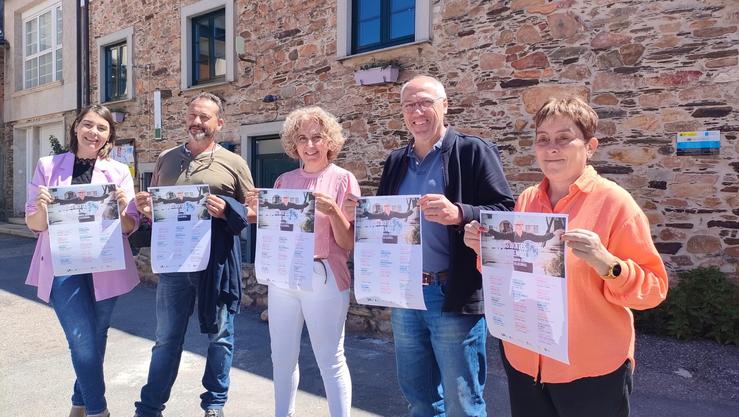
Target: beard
pixel 203 134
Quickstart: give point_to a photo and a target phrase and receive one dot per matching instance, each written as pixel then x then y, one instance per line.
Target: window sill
pixel 38 88
pixel 208 85
pixel 377 51
pixel 118 101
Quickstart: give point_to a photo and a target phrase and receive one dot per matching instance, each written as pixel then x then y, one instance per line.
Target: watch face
pixel 616 269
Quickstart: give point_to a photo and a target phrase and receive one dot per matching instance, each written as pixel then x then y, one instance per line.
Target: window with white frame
pixel 115 66
pixel 207 49
pixel 367 25
pixel 42 47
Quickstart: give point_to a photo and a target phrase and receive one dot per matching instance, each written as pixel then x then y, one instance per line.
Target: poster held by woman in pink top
pixel 285 238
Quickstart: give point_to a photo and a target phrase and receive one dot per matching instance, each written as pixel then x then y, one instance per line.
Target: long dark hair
pixel 103 112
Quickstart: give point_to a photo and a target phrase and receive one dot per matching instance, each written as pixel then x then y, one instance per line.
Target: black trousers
pixel 602 396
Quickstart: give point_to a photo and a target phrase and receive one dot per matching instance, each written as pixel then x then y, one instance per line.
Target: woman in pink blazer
pixel 84 302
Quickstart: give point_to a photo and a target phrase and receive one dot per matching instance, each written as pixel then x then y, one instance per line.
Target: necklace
pixel 187 170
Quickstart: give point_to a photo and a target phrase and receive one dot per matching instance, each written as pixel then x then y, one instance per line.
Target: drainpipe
pixel 83 55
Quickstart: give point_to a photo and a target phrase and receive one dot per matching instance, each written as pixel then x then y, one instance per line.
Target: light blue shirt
pixel 427 177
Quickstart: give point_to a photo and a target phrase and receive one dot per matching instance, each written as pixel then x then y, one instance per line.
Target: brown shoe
pixel 77 411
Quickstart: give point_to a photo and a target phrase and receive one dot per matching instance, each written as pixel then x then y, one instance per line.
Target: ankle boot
pixel 77 411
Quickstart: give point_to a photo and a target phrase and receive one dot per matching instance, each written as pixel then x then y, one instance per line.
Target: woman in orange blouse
pixel 612 266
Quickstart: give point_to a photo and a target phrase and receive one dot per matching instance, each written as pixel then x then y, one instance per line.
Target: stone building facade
pixel 650 69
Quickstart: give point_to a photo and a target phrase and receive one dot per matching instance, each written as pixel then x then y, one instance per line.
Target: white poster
pixel 180 231
pixel 285 238
pixel 524 280
pixel 85 229
pixel 388 260
pixel 125 154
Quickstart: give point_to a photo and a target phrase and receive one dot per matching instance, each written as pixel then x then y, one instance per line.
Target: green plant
pixel 705 303
pixel 380 63
pixel 57 147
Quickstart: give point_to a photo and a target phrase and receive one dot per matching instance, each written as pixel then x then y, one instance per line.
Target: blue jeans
pixel 175 304
pixel 85 323
pixel 441 359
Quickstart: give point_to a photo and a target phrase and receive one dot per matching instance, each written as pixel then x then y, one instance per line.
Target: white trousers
pixel 324 312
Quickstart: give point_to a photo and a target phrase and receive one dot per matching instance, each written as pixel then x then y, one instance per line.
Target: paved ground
pixel 673 379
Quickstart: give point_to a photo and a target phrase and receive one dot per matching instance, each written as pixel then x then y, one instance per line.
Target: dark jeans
pixel 601 396
pixel 175 304
pixel 85 323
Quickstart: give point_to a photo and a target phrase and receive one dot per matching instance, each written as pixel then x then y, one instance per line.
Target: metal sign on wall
pixel 702 143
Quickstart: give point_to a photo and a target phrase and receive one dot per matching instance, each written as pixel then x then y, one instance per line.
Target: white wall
pixel 55 97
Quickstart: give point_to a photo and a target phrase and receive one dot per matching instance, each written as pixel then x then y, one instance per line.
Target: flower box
pixel 377 75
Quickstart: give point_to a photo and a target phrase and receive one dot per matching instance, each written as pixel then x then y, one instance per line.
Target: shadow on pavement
pixel 371 361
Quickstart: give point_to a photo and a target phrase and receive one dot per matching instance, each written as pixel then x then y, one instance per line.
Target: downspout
pixel 83 55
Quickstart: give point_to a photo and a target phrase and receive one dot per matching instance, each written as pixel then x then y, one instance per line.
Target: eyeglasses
pixel 424 104
pixel 558 142
pixel 304 140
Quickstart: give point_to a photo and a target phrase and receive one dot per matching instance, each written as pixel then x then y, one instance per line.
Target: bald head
pixel 425 81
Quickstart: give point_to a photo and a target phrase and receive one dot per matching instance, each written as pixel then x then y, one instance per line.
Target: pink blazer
pixel 54 171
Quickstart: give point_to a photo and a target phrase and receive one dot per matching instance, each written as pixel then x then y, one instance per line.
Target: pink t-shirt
pixel 336 182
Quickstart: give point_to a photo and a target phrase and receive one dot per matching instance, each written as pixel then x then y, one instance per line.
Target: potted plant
pixel 377 72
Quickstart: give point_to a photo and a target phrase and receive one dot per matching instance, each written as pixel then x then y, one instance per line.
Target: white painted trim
pixel 102 42
pixel 377 51
pixel 343 28
pixel 37 10
pixel 424 25
pixel 246 132
pixel 424 20
pixel 40 122
pixel 197 9
pixel 146 167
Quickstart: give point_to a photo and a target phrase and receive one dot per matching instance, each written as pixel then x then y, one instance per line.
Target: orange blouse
pixel 601 325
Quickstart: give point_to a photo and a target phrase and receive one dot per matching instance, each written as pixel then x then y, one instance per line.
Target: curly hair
pixel 103 112
pixel 573 107
pixel 330 130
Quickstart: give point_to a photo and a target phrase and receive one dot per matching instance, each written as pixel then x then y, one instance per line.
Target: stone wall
pixel 6 155
pixel 650 69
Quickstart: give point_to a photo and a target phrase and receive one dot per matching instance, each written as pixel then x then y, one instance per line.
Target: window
pixel 209 47
pixel 208 42
pixel 115 68
pixel 42 47
pixel 115 71
pixel 363 26
pixel 379 24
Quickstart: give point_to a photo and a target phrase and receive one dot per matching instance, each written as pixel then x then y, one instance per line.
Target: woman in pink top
pixel 314 137
pixel 84 302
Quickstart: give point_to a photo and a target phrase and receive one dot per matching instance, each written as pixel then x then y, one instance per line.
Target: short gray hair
pixel 204 95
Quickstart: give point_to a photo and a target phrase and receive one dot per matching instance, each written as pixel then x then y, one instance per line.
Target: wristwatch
pixel 614 271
